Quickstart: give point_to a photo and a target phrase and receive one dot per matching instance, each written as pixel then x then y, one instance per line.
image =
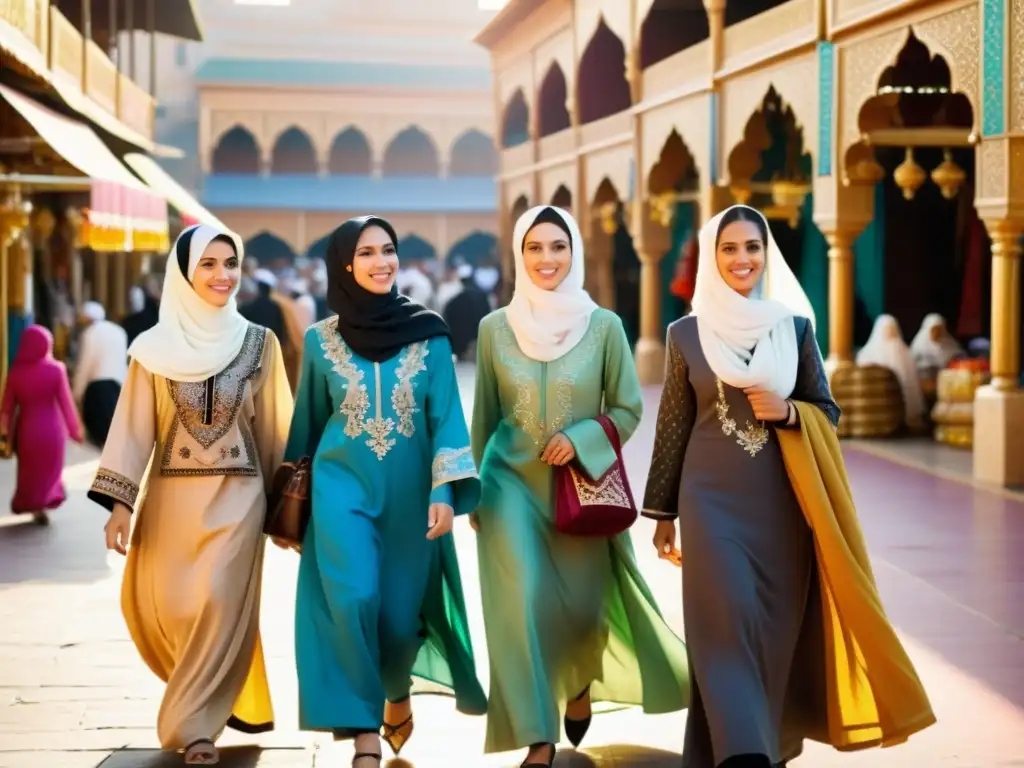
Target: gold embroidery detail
pixel 752 439
pixel 403 399
pixel 610 492
pixel 116 486
pixel 356 404
pixel 451 464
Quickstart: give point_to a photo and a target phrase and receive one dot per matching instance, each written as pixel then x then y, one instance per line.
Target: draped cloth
pixel 875 697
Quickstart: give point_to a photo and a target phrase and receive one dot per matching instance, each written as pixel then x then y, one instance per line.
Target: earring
pixel 348 268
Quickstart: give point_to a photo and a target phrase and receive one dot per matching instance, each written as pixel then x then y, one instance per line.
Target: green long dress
pixel 560 612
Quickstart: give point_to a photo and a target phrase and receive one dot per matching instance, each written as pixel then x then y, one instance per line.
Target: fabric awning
pixel 24 50
pixel 124 214
pixel 179 197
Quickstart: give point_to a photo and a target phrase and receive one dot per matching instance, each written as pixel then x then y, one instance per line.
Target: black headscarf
pixel 375 326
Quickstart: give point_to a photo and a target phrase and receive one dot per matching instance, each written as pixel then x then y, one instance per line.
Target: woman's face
pixel 217 273
pixel 937 332
pixel 547 255
pixel 740 256
pixel 375 264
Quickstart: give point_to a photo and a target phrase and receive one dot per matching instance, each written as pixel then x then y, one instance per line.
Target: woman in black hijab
pixel 379 597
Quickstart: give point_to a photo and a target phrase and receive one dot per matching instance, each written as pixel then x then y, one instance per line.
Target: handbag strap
pixel 611 431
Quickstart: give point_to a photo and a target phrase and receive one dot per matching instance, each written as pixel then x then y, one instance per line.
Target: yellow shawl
pixel 874 694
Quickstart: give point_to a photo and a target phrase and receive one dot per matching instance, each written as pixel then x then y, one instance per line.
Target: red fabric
pixel 576 519
pixel 38 414
pixel 686 272
pixel 969 321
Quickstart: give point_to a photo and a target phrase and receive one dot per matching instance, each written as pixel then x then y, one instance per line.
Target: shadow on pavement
pixel 230 757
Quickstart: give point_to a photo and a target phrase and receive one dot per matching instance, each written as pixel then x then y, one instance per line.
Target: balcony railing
pixel 67 48
pixel 29 16
pixel 100 77
pixel 135 106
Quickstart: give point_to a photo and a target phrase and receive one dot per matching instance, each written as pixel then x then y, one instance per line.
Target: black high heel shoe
pixel 548 764
pixel 575 730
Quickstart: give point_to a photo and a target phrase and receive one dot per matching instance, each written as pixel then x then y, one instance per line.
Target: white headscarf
pixel 885 347
pixel 548 324
pixel 931 353
pixel 94 311
pixel 193 340
pixel 749 342
pixel 136 299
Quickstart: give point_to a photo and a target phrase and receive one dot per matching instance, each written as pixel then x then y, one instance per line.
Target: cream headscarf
pixel 193 340
pixel 749 342
pixel 934 353
pixel 548 324
pixel 886 347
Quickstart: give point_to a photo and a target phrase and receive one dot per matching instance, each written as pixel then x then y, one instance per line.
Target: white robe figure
pixel 887 348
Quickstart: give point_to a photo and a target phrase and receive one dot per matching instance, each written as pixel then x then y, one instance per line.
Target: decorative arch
pixel 552 102
pixel 473 154
pixel 562 198
pixel 602 88
pixel 236 152
pixel 515 127
pixel 351 154
pixel 269 249
pixel 411 153
pixel 676 169
pixel 519 207
pixel 293 153
pixel 412 249
pixel 671 26
pixel 474 249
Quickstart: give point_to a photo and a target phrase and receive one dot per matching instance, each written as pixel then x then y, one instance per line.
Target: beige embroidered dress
pixel 561 612
pixel 191 588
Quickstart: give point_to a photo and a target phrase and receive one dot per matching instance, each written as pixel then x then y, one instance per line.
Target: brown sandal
pixel 196 754
pixel 397 735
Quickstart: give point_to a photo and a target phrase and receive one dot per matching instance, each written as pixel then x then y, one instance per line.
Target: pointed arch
pixel 671 26
pixel 473 154
pixel 602 88
pixel 412 248
pixel 552 100
pixel 411 153
pixel 269 249
pixel 515 127
pixel 562 198
pixel 293 153
pixel 236 152
pixel 350 154
pixel 474 249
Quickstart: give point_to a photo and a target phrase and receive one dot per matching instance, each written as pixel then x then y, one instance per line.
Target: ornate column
pixel 14 218
pixel 840 299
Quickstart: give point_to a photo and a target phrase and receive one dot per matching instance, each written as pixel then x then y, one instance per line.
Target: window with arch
pixel 293 153
pixel 473 154
pixel 671 26
pixel 236 152
pixel 413 249
pixel 562 198
pixel 552 109
pixel 515 128
pixel 269 250
pixel 602 87
pixel 350 154
pixel 411 153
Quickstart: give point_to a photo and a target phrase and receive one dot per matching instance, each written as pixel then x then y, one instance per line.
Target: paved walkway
pixel 73 693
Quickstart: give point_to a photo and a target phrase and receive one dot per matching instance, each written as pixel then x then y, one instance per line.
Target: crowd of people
pixel 239 377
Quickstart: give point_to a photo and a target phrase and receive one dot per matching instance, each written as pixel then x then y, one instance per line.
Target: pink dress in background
pixel 39 414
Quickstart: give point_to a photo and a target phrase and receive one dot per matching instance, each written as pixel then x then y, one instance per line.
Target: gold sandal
pixel 397 735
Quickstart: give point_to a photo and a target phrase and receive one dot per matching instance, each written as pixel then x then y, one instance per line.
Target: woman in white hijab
pixel 207 397
pixel 568 619
pixel 933 346
pixel 733 368
pixel 885 347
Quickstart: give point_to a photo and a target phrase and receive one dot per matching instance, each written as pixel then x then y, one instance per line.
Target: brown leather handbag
pixel 289 505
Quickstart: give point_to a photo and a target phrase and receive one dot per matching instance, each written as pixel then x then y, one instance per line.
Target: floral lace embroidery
pixel 452 464
pixel 752 439
pixel 356 404
pixel 609 492
pixel 116 486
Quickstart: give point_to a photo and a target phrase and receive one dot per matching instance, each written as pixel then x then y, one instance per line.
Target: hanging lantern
pixel 663 208
pixel 909 176
pixel 866 171
pixel 741 192
pixel 948 176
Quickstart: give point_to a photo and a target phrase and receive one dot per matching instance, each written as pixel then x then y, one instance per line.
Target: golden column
pixel 1006 312
pixel 840 299
pixel 14 218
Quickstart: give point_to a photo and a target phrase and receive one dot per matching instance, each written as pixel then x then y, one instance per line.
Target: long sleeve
pixel 453 475
pixel 312 404
pixel 486 402
pixel 811 380
pixel 274 410
pixel 623 403
pixel 677 414
pixel 130 442
pixel 66 403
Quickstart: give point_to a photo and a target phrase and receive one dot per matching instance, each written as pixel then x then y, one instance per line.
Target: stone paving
pixel 74 694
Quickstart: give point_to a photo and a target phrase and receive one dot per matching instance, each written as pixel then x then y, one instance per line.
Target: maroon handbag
pixel 602 507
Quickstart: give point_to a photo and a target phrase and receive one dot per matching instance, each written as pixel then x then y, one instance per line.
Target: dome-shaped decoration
pixel 948 176
pixel 866 171
pixel 909 176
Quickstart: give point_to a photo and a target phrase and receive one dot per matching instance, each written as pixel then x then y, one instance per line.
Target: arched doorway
pixel 270 251
pixel 411 153
pixel 293 154
pixel 671 26
pixel 552 101
pixel 350 154
pixel 562 198
pixel 473 154
pixel 236 152
pixel 602 88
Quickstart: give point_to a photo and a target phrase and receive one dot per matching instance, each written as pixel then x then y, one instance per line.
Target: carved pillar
pixel 1006 311
pixel 650 348
pixel 14 218
pixel 840 299
pixel 716 32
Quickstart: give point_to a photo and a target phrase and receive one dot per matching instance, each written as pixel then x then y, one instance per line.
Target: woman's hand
pixel 439 519
pixel 118 528
pixel 767 406
pixel 285 544
pixel 665 541
pixel 559 451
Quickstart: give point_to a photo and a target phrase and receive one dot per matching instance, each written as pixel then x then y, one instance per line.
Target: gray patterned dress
pixel 751 605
